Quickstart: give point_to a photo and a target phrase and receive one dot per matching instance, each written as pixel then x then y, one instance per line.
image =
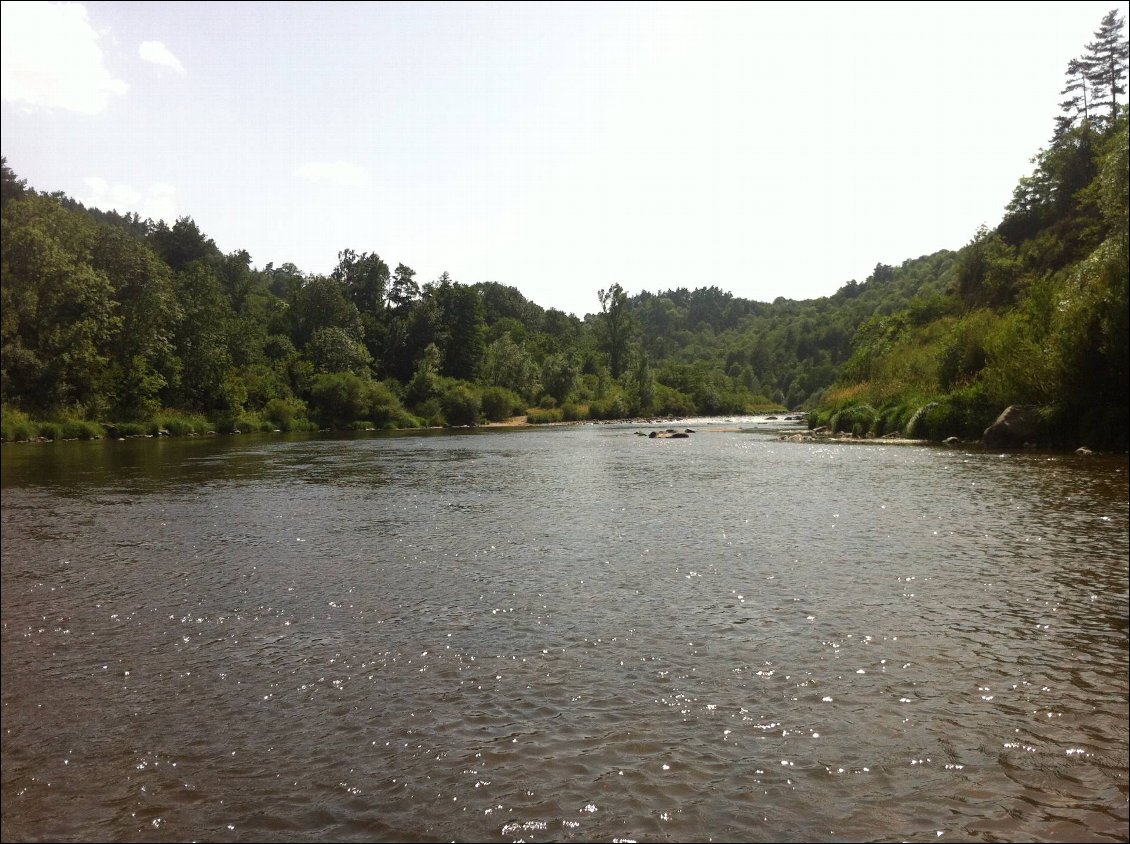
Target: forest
pixel 117 326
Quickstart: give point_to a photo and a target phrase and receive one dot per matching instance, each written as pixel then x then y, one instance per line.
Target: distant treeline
pixel 114 324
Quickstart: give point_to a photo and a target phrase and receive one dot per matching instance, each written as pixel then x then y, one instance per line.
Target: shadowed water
pixel 562 634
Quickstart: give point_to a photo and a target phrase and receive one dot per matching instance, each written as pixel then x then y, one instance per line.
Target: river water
pixel 570 633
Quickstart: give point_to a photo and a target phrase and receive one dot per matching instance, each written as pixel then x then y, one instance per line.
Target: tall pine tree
pixel 1105 61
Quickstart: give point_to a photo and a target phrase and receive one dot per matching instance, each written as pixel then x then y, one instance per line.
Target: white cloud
pixel 50 58
pixel 332 173
pixel 158 53
pixel 157 201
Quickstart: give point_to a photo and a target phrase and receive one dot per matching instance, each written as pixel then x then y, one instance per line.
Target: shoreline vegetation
pixel 118 326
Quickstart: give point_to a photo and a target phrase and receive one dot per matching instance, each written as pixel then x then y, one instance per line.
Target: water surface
pixel 562 634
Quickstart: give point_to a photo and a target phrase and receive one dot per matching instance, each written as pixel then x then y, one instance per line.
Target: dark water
pixel 562 634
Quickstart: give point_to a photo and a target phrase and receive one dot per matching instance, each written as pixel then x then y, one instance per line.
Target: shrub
pixel 179 425
pixel 49 431
pixel 858 419
pixel 82 430
pixel 571 412
pixel 539 416
pixel 916 428
pixel 460 404
pixel 129 429
pixel 610 407
pixel 499 404
pixel 430 414
pixel 671 402
pixel 15 425
pixel 338 398
pixel 384 407
pixel 286 414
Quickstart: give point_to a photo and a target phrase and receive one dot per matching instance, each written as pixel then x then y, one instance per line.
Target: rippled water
pixel 560 634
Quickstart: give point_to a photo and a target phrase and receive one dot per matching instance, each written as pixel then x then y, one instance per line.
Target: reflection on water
pixel 561 634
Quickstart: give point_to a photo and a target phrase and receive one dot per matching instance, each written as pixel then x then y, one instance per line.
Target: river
pixel 568 633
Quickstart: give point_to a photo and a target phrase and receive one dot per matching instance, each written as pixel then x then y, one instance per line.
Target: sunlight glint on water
pixel 573 633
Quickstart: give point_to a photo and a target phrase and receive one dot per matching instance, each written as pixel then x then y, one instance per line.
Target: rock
pixel 1083 451
pixel 952 441
pixel 1014 428
pixel 823 429
pixel 653 435
pixel 689 430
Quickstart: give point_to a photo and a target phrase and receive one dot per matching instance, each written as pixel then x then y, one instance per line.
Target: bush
pixel 286 414
pixel 671 402
pixel 338 398
pixel 545 417
pixel 460 404
pixel 49 431
pixel 611 407
pixel 917 427
pixel 430 414
pixel 82 430
pixel 499 404
pixel 574 412
pixel 965 414
pixel 179 425
pixel 858 420
pixel 129 429
pixel 385 409
pixel 15 426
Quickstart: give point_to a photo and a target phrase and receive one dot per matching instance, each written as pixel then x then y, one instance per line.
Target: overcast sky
pixel 771 149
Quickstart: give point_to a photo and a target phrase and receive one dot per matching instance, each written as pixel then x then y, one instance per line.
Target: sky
pixel 768 149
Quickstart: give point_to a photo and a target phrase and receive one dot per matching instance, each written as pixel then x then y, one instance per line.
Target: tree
pixel 404 288
pixel 321 303
pixel 1077 107
pixel 58 312
pixel 1105 63
pixel 182 244
pixel 11 187
pixel 332 349
pixel 617 326
pixel 462 328
pixel 506 364
pixel 365 277
pixel 141 358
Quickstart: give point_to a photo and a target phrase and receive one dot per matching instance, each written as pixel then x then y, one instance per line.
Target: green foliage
pixel 506 364
pixel 859 420
pixel 574 412
pixel 964 354
pixel 546 417
pixel 286 414
pixel 180 424
pixel 616 325
pixel 105 316
pixel 333 349
pixel 339 399
pixel 988 272
pixel 15 426
pixel 499 404
pixel 81 429
pixel 460 403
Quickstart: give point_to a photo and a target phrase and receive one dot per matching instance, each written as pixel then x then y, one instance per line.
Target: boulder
pixel 952 441
pixel 1014 428
pixel 1083 451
